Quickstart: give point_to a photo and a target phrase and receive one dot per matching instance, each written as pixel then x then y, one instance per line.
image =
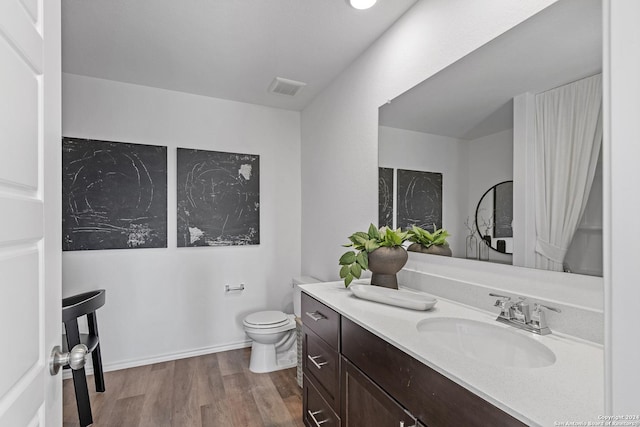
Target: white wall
pixel 490 162
pixel 621 204
pixel 163 303
pixel 405 149
pixel 340 127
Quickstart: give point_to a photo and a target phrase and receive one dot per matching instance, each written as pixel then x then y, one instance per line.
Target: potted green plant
pixel 379 250
pixel 431 243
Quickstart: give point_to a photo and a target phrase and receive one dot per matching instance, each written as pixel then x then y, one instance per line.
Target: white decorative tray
pixel 400 298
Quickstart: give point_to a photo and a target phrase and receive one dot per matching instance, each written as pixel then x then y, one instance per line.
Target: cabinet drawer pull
pixel 316 316
pixel 313 360
pixel 313 417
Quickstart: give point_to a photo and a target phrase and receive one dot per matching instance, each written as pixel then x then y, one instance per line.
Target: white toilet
pixel 274 336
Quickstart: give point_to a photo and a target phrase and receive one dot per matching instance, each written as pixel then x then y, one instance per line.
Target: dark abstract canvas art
pixel 419 199
pixel 218 198
pixel 114 195
pixel 503 209
pixel 385 197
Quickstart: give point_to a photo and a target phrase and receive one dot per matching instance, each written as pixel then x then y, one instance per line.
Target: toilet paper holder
pixel 229 288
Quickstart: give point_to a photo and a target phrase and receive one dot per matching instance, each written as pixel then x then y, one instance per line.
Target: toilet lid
pixel 267 319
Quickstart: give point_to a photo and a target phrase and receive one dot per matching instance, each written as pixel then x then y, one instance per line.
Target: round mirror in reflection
pixel 494 217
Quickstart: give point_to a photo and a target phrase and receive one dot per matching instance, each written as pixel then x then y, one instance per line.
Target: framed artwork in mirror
pixel 385 197
pixel 503 210
pixel 419 199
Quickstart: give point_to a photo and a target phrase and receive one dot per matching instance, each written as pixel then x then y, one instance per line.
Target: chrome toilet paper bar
pixel 229 288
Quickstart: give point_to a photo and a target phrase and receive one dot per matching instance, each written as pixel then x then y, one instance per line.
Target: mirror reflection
pixel 494 218
pixel 519 122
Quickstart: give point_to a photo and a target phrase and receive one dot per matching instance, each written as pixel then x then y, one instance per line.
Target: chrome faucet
pixel 519 314
pixel 521 311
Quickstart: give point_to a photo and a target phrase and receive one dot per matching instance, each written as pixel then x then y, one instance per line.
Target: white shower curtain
pixel 568 140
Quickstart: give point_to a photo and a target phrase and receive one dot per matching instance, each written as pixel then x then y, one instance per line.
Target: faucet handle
pixel 499 296
pixel 521 301
pixel 539 319
pixel 504 304
pixel 503 297
pixel 537 306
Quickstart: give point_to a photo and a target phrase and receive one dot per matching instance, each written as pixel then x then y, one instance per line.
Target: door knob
pixel 76 358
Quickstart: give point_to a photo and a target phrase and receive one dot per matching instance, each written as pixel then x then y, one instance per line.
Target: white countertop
pixel 572 389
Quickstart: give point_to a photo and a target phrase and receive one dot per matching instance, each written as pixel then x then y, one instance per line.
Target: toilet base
pixel 264 358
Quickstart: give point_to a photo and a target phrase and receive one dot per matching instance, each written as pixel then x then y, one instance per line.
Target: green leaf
pixel 393 238
pixel 347 258
pixel 363 260
pixel 348 280
pixel 356 270
pixel 373 232
pixel 360 240
pixel 344 271
pixel 361 234
pixel 371 245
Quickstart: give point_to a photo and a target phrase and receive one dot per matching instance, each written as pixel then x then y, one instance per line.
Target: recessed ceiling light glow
pixel 362 4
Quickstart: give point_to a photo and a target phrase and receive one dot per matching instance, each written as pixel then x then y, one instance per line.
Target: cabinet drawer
pixel 322 320
pixel 322 364
pixel 317 412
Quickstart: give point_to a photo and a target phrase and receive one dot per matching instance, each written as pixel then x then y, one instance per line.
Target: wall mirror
pixel 494 218
pixel 474 125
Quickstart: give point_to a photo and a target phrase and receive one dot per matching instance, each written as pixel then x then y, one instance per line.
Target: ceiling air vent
pixel 285 86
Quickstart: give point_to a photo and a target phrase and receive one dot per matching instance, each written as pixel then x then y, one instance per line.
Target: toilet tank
pixel 297 292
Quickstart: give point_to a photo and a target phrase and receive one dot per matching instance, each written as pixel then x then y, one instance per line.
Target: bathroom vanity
pixel 369 364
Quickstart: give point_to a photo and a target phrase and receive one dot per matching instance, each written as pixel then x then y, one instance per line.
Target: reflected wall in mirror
pixel 475 123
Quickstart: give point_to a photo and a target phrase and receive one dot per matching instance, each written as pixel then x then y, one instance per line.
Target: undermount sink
pixel 494 345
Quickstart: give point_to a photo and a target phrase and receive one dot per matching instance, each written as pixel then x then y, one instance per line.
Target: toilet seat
pixel 267 320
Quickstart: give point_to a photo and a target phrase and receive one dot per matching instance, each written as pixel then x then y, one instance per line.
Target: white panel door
pixel 30 297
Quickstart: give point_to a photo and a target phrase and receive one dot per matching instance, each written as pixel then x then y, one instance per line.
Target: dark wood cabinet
pixel 365 404
pixel 320 364
pixel 430 396
pixel 353 378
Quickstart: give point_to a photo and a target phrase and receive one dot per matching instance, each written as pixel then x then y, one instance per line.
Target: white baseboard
pixel 107 367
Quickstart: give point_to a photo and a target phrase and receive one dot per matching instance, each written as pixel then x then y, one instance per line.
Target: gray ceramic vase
pixel 384 263
pixel 443 250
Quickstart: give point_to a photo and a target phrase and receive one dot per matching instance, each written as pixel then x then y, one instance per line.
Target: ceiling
pixel 472 98
pixel 230 49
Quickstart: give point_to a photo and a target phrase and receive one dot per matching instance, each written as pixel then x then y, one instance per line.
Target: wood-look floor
pixel 206 391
